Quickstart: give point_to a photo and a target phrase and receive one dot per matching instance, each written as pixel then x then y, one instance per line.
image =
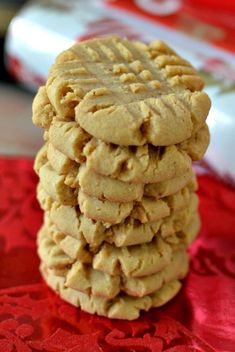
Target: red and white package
pixel 201 31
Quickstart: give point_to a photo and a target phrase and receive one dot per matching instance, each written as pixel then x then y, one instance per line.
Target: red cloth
pixel 33 318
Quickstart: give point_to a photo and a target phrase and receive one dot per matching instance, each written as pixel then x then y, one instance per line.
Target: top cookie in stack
pixel 123 121
pixel 126 93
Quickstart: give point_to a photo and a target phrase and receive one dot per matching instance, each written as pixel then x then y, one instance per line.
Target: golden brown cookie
pixel 60 162
pixel 129 164
pixel 169 187
pixel 152 209
pixel 72 145
pixel 112 213
pixel 77 248
pixel 43 111
pixel 68 138
pixel 105 187
pixel 147 209
pixel 105 211
pixel 44 199
pixel 41 158
pixel 76 175
pixel 122 307
pixel 85 279
pixel 197 145
pixel 134 261
pixel 144 96
pixel 145 164
pixel 70 221
pixel 82 277
pixel 54 185
pixel 114 190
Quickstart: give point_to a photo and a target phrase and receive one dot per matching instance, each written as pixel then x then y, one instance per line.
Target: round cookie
pixel 122 307
pixel 145 164
pixel 129 164
pixel 134 261
pixel 147 209
pixel 67 141
pixel 114 190
pixel 105 187
pixel 84 278
pixel 112 213
pixel 195 147
pixel 77 248
pixel 71 142
pixel 93 184
pixel 145 96
pixel 70 221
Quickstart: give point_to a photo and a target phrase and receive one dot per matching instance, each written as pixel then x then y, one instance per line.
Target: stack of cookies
pixel 123 121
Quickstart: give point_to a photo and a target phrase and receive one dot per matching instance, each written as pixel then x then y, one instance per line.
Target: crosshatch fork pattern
pixel 129 79
pixel 131 67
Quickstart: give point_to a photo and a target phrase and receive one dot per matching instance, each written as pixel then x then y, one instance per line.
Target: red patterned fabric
pixel 32 318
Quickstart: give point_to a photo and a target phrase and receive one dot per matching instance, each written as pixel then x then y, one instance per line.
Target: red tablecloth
pixel 32 318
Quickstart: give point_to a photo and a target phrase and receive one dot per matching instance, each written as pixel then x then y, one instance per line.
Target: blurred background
pixel 34 32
